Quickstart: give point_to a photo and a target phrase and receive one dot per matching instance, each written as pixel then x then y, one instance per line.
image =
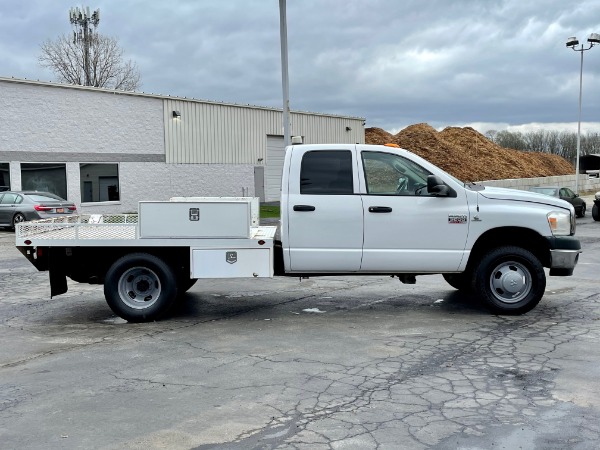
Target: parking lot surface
pixel 324 363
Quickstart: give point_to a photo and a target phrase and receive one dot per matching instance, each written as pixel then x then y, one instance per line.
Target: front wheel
pixel 581 211
pixel 595 213
pixel 511 280
pixel 140 287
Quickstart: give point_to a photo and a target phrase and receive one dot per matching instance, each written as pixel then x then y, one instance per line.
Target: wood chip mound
pixel 469 155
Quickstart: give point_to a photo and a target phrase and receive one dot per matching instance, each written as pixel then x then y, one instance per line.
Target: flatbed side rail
pixel 83 226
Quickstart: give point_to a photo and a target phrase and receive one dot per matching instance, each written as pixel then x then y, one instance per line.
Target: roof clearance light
pixel 391 145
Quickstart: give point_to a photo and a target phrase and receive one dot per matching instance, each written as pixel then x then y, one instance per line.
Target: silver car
pixel 19 206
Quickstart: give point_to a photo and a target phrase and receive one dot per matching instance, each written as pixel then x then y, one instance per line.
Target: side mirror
pixel 436 187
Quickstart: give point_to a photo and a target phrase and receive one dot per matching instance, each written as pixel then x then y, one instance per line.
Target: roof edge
pixel 162 96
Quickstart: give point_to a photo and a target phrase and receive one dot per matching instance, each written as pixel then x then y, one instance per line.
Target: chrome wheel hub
pixel 139 287
pixel 510 282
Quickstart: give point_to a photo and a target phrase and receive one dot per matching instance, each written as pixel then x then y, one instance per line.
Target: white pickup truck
pixel 345 210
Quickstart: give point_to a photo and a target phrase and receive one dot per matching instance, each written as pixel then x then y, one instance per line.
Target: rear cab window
pixel 327 172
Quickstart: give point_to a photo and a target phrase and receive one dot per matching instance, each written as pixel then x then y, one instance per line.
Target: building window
pixel 4 177
pixel 47 177
pixel 99 183
pixel 327 173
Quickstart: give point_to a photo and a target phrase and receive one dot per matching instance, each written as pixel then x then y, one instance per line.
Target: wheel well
pixel 90 264
pixel 517 236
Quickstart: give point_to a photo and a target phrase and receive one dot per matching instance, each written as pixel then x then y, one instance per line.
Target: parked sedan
pixel 19 206
pixel 564 194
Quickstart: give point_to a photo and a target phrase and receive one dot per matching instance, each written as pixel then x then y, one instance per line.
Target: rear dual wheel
pixel 140 287
pixel 460 281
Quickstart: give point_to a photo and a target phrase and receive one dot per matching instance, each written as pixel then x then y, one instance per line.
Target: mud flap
pixel 58 277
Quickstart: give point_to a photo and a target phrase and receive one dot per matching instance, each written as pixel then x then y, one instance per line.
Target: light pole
pixel 82 19
pixel 284 73
pixel 572 43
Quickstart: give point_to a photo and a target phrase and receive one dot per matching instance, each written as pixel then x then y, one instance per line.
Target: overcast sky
pixel 485 63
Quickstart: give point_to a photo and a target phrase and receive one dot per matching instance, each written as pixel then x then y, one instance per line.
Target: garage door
pixel 274 165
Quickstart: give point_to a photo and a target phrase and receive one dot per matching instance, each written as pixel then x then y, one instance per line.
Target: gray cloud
pixel 395 63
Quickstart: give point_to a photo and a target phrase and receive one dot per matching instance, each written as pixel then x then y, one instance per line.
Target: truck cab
pixel 366 209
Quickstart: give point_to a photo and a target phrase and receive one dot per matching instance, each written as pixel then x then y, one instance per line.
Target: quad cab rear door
pixel 323 227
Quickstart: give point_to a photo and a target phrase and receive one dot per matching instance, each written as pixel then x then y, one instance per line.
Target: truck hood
pixel 497 193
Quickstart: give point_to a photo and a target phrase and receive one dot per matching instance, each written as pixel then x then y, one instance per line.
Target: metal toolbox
pixel 231 263
pixel 194 219
pixel 254 204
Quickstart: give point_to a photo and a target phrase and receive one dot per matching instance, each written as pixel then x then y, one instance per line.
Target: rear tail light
pixel 42 208
pixel 73 208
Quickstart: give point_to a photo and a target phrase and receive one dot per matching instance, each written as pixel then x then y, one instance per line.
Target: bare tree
pixel 65 56
pixel 491 135
pixel 562 143
pixel 510 139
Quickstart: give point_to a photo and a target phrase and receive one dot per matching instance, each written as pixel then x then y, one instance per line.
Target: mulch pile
pixel 469 155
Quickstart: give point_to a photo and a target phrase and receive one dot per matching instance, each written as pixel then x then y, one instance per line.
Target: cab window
pixel 389 174
pixel 326 172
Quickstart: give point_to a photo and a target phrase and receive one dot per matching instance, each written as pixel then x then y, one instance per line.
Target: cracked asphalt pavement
pixel 324 363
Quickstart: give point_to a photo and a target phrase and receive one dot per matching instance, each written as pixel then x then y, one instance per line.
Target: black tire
pixel 510 280
pixel 18 218
pixel 581 211
pixel 460 281
pixel 140 287
pixel 595 213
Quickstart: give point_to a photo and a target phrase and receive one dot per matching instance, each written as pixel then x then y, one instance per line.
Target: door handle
pixel 304 208
pixel 380 209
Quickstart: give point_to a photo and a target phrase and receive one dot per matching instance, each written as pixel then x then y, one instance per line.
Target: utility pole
pixel 81 19
pixel 284 72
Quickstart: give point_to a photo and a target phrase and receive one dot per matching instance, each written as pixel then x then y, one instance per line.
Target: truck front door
pixel 407 229
pixel 325 223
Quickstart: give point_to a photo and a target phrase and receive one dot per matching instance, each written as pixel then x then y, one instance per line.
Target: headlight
pixel 561 223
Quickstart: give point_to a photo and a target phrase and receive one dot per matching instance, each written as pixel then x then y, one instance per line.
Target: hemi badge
pixel 457 218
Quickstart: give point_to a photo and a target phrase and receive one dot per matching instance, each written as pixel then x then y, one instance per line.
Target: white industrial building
pixel 106 150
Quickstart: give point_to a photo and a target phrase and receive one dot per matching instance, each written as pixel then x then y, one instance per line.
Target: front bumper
pixel 564 255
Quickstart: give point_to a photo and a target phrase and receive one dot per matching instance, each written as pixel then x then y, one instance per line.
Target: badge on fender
pixel 457 218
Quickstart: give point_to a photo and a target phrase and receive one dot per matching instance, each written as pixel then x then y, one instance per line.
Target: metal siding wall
pixel 273 169
pixel 212 133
